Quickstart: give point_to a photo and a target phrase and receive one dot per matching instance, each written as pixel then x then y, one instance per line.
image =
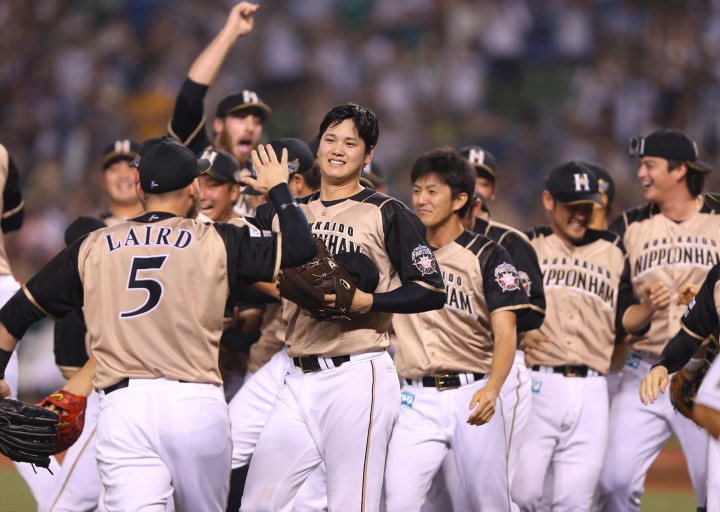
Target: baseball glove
pixel 684 390
pixel 70 410
pixel 27 432
pixel 306 285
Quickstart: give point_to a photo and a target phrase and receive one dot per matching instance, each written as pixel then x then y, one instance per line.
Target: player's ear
pixel 218 125
pixel 548 201
pixel 369 155
pixel 234 193
pixel 459 201
pixel 140 192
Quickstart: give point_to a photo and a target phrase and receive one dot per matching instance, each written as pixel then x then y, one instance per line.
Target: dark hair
pixel 694 179
pixel 451 168
pixel 365 121
pixel 312 176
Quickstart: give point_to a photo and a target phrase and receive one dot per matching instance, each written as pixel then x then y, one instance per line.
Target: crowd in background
pixel 535 82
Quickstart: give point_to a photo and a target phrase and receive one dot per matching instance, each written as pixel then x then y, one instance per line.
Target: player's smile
pixel 341 153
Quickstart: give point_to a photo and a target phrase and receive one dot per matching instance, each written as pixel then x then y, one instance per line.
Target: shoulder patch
pixel 507 277
pixel 254 232
pixel 423 260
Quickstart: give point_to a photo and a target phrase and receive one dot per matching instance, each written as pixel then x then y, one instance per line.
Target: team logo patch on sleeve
pixel 524 281
pixel 423 260
pixel 507 277
pixel 255 232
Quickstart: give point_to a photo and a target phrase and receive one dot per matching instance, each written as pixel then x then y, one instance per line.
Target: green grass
pixel 15 497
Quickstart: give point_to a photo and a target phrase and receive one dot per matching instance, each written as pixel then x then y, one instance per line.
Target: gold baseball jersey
pixel 390 235
pixel 11 205
pixel 480 279
pixel 671 253
pixel 584 299
pixel 154 290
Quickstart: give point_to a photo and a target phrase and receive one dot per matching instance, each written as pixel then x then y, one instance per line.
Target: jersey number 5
pixel 154 288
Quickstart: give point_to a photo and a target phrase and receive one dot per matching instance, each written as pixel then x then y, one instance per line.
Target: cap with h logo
pixel 300 158
pixel 671 145
pixel 169 166
pixel 573 183
pixel 481 159
pixel 121 149
pixel 223 166
pixel 242 100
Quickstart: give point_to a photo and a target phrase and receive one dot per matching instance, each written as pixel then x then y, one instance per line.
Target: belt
pixel 123 384
pixel 447 380
pixel 568 370
pixel 310 364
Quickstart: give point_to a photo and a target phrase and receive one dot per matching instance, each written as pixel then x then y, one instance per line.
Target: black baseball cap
pixel 606 184
pixel 372 175
pixel 242 100
pixel 223 166
pixel 671 145
pixel 300 158
pixel 573 183
pixel 146 145
pixel 121 149
pixel 481 159
pixel 169 166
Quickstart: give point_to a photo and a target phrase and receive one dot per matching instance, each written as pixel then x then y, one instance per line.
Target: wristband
pixel 4 360
pixel 694 364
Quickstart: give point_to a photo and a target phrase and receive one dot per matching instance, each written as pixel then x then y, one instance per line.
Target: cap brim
pixel 210 171
pixel 484 168
pixel 203 165
pixel 248 190
pixel 590 198
pixel 699 166
pixel 111 158
pixel 264 109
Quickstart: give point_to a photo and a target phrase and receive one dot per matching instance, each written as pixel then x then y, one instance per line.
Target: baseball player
pixel 454 361
pixel 670 244
pixel 153 289
pixel 340 397
pixel 238 123
pixel 582 271
pixel 707 415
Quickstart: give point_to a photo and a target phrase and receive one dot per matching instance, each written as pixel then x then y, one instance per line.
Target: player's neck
pixel 445 233
pixel 680 208
pixel 335 191
pixel 127 211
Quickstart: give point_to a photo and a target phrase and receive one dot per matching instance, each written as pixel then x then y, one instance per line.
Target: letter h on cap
pixel 476 156
pixel 582 182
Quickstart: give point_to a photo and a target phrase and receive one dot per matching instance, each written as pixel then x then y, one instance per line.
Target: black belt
pixel 312 363
pixel 579 370
pixel 445 381
pixel 122 385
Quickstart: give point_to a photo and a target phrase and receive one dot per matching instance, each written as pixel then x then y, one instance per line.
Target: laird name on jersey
pixel 586 277
pixel 150 235
pixel 686 250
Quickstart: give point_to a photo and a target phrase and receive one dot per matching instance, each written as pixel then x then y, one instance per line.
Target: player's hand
pixel 240 21
pixel 536 345
pixel 361 303
pixel 686 293
pixel 657 378
pixel 656 296
pixel 484 403
pixel 270 171
pixel 5 390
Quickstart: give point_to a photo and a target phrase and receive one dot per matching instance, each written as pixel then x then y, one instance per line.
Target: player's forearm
pixel 8 342
pixel 408 298
pixel 678 351
pixel 81 383
pixel 637 318
pixel 503 328
pixel 298 244
pixel 206 66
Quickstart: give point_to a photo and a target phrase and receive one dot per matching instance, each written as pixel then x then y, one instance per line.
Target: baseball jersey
pixel 134 277
pixel 390 235
pixel 522 253
pixel 669 252
pixel 702 316
pixel 188 122
pixel 11 205
pixel 585 301
pixel 480 279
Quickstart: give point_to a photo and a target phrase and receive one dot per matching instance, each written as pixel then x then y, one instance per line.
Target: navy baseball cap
pixel 169 166
pixel 481 159
pixel 573 183
pixel 242 100
pixel 671 145
pixel 121 149
pixel 223 166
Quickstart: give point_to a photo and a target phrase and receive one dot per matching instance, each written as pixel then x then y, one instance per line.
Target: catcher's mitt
pixel 70 411
pixel 683 390
pixel 27 432
pixel 306 285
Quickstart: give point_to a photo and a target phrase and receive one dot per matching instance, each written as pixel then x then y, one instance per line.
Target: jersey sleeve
pixel 528 268
pixel 188 122
pixel 13 212
pixel 408 249
pixel 253 254
pixel 501 284
pixel 69 340
pixel 701 318
pixel 264 215
pixel 626 298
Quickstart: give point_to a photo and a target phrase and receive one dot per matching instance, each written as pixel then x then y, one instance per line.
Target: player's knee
pixel 527 497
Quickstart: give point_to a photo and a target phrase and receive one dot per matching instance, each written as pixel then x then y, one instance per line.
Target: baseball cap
pixel 372 175
pixel 121 149
pixel 300 158
pixel 169 166
pixel 480 158
pixel 671 145
pixel 150 143
pixel 223 166
pixel 242 100
pixel 606 184
pixel 573 183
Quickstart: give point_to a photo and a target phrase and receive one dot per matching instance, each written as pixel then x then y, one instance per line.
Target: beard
pixel 226 143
